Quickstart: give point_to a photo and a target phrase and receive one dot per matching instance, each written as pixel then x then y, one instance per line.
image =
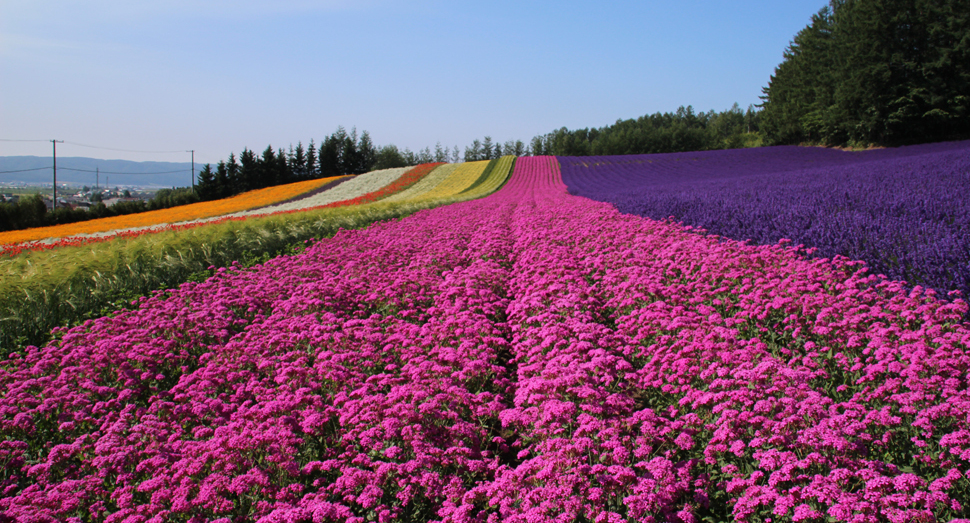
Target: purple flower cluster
pixel 902 210
pixel 530 356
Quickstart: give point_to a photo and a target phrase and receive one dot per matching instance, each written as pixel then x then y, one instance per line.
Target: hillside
pixel 77 170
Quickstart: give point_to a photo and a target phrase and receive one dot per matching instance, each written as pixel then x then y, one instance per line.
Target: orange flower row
pixel 195 211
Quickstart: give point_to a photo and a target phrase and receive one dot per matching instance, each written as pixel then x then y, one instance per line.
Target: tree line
pixel 680 131
pixel 886 72
pixel 340 153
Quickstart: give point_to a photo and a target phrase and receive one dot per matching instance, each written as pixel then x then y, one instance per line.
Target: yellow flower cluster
pixel 465 175
pixel 195 211
pixel 420 189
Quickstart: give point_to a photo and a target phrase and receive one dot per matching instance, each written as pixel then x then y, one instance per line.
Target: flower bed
pixel 529 356
pixel 901 210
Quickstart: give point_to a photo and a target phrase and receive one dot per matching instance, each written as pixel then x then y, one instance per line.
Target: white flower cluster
pixel 358 186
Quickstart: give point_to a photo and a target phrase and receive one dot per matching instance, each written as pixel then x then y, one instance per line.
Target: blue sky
pixel 220 75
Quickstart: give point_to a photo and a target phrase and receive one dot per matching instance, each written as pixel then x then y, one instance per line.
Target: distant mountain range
pixel 37 170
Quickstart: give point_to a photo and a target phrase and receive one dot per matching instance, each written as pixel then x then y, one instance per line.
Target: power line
pixel 112 172
pixel 25 170
pixel 90 171
pixel 124 150
pixel 6 140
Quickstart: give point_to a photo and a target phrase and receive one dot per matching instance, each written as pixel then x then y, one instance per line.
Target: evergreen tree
pixel 233 181
pixel 351 156
pixel 800 93
pixel 409 157
pixel 312 172
pixel 751 119
pixel 473 153
pixel 330 156
pixel 267 168
pixel 537 146
pixel 206 186
pixel 425 156
pixel 298 163
pixel 248 171
pixel 440 153
pixel 366 153
pixel 283 173
pixel 506 148
pixel 346 151
pixel 487 152
pixel 222 181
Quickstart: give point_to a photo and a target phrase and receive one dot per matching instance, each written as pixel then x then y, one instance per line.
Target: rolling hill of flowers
pixel 184 213
pixel 61 282
pixel 526 356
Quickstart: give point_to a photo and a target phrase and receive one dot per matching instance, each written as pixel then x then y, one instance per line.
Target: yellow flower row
pixel 465 175
pixel 500 173
pixel 195 211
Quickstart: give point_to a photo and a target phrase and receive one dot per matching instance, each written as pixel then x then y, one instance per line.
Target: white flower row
pixel 353 188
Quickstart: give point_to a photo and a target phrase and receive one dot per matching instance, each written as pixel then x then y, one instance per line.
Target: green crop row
pixel 43 290
pixel 494 176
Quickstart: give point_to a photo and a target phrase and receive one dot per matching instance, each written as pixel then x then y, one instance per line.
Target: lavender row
pixel 902 211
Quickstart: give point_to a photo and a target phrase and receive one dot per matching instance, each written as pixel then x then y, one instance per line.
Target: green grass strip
pixel 492 179
pixel 485 174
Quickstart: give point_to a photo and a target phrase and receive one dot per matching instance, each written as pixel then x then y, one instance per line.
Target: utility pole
pixel 97 177
pixel 193 167
pixel 54 142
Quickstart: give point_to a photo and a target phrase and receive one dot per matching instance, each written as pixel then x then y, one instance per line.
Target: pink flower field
pixel 530 356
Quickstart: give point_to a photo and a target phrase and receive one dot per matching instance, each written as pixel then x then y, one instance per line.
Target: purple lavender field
pixel 904 211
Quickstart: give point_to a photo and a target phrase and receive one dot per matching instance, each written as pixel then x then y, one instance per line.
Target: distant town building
pixel 111 201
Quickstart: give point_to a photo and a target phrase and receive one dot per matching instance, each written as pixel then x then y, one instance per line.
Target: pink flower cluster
pixel 532 356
